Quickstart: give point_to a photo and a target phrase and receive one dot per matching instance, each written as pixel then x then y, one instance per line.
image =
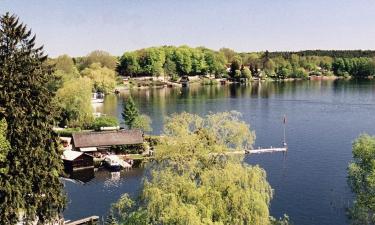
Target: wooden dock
pixel 88 220
pixel 266 150
pixel 258 151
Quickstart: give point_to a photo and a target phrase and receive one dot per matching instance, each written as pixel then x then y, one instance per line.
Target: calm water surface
pixel 324 117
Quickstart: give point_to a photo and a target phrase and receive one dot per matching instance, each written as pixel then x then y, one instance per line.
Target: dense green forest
pixel 175 62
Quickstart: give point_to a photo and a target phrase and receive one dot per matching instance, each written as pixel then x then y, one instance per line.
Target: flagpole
pixel 284 121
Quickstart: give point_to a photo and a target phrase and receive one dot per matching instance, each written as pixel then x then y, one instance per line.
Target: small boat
pixel 97 97
pixel 112 162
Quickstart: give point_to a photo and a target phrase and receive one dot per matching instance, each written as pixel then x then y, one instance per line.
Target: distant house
pixel 90 141
pixel 74 160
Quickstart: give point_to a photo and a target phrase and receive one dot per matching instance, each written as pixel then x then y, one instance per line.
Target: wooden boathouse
pixel 90 141
pixel 74 160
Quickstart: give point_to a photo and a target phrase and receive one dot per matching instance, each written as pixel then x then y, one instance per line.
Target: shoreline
pixel 217 82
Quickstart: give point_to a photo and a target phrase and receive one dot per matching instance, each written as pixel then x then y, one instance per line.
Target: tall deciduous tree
pixel 104 79
pixel 74 99
pixel 361 179
pixel 30 189
pixel 130 112
pixel 194 181
pixel 102 57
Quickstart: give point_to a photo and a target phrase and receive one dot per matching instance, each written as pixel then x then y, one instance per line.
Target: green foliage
pixel 356 67
pixel 110 220
pixel 30 189
pixel 151 61
pixel 65 63
pixel 128 149
pixel 193 181
pixel 183 60
pixel 171 61
pixel 170 68
pixel 129 64
pixel 361 179
pixel 104 79
pixel 215 62
pixel 228 54
pixel 299 73
pixel 104 121
pixel 235 67
pixel 143 122
pixel 67 132
pixel 130 112
pixel 101 57
pixel 4 147
pixel 74 99
pixel 246 73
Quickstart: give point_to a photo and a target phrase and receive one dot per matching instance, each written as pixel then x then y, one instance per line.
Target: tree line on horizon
pixel 180 61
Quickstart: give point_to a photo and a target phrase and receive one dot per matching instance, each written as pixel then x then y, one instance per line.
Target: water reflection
pixel 85 175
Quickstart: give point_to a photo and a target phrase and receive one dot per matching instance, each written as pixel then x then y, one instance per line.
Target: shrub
pixel 128 149
pixel 104 121
pixel 67 132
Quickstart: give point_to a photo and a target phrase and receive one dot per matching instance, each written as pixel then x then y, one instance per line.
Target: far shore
pixel 157 82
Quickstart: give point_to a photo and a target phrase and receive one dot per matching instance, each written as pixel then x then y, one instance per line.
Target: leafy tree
pixel 101 57
pixel 215 62
pixel 30 188
pixel 198 62
pixel 74 99
pixel 64 70
pixel 234 66
pixel 228 53
pixel 299 73
pixel 246 73
pixel 143 122
pixel 129 65
pixel 130 112
pixel 170 68
pixel 65 64
pixel 193 181
pixel 283 72
pixel 183 61
pixel 151 61
pixel 361 179
pixel 104 79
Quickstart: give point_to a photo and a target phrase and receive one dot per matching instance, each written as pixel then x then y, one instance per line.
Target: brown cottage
pixel 107 138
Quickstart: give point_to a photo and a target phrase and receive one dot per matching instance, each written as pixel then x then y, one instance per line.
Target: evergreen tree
pixel 130 112
pixel 30 188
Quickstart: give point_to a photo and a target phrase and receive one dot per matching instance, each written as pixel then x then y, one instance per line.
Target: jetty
pixel 88 220
pixel 258 150
pixel 266 150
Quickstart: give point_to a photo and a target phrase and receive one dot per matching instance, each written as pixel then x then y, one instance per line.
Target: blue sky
pixel 77 27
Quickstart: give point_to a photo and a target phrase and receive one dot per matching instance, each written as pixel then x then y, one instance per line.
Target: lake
pixel 323 118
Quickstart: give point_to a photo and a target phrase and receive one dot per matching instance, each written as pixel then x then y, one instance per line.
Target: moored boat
pixel 112 162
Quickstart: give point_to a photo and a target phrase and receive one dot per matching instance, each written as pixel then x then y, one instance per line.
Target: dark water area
pixel 323 118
